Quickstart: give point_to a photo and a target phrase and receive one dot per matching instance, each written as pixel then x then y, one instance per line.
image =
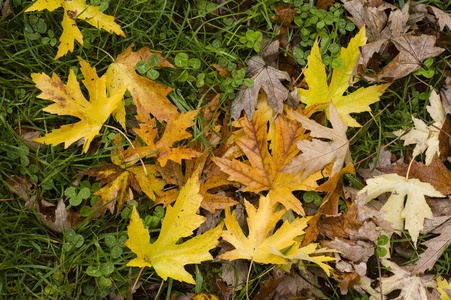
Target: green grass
pixel 90 262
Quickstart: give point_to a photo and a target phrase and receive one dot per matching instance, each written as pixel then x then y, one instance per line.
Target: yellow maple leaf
pixel 265 169
pixel 76 9
pixel 320 91
pixel 443 285
pixel 69 100
pixel 117 179
pixel 263 247
pixel 151 95
pixel 256 246
pixel 166 256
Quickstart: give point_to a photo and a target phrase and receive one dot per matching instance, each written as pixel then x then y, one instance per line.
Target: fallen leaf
pixel 445 93
pixel 265 169
pixel 163 147
pixel 265 77
pixel 413 50
pixel 320 91
pixel 411 287
pixel 69 100
pixel 435 248
pixel 76 9
pixel 324 4
pixel 116 180
pixel 437 174
pixel 426 137
pixel 263 247
pixel 410 215
pixel 151 95
pixel 443 19
pixel 256 246
pixel 166 255
pixel 443 288
pixel 316 154
pixel 284 15
pixel 5 9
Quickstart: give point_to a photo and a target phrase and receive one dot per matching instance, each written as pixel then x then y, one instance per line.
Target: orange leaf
pixel 263 171
pixel 175 131
pixel 148 95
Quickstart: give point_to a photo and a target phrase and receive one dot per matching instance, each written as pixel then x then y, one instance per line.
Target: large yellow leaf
pixel 69 100
pixel 320 91
pixel 166 256
pixel 265 169
pixel 76 9
pixel 257 245
pixel 410 215
pixel 151 95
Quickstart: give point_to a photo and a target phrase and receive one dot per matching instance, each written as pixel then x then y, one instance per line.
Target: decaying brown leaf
pixel 435 248
pixel 413 51
pixel 56 217
pixel 265 77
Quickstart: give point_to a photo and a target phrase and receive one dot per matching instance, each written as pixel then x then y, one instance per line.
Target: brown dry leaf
pixel 316 154
pixel 378 24
pixel 163 147
pixel 116 180
pixel 57 218
pixel 5 9
pixel 329 206
pixel 445 93
pixel 151 95
pixel 265 77
pixel 263 171
pixel 324 4
pixel 437 174
pixel 444 138
pixel 411 287
pixel 413 51
pixel 284 15
pixel 443 19
pixel 435 248
pixel 274 288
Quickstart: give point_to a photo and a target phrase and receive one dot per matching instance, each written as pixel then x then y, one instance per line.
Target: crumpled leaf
pixel 69 100
pixel 265 77
pixel 264 169
pixel 321 91
pixel 151 95
pixel 424 136
pixel 76 9
pixel 166 255
pixel 410 215
pixel 316 154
